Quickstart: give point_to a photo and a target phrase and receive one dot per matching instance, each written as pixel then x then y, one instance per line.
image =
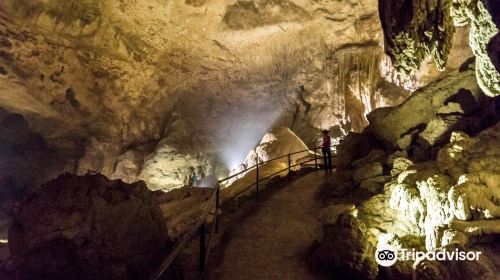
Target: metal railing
pixel 201 225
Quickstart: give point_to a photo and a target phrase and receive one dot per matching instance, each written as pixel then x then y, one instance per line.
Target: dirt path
pixel 270 243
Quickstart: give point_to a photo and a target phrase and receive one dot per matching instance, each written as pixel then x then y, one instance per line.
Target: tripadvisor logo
pixel 387 255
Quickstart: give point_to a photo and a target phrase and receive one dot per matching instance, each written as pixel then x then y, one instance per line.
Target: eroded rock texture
pixel 415 30
pixel 482 15
pixel 431 179
pixel 87 228
pixel 418 29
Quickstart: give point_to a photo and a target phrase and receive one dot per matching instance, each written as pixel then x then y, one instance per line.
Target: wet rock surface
pixel 87 228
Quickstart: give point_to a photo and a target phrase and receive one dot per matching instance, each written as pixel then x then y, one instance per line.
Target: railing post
pixel 316 158
pixel 203 248
pixel 289 167
pixel 217 206
pixel 257 178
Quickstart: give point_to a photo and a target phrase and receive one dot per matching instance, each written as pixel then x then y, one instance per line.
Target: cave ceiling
pixel 114 70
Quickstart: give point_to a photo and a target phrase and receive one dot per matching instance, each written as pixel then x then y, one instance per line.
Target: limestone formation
pixel 167 168
pixel 426 29
pixel 432 175
pixel 483 38
pixel 87 228
pixel 415 30
pixel 277 142
pixel 425 105
pixel 433 197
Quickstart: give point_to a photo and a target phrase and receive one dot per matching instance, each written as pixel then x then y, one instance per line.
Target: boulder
pixel 329 215
pixel 168 168
pixel 345 252
pixel 87 227
pixel 375 155
pixel 277 142
pixel 374 184
pixel 353 147
pixel 368 171
pixel 339 185
pixel 393 124
pixel 399 165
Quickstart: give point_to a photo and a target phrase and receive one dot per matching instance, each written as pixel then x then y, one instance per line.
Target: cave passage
pixel 272 242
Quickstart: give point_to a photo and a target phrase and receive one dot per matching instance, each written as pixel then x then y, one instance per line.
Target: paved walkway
pixel 271 242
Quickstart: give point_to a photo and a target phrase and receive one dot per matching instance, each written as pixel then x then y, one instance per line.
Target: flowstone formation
pixel 87 228
pixel 414 30
pixel 426 29
pixel 482 15
pixel 427 181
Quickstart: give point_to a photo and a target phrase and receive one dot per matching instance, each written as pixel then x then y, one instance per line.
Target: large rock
pixel 87 228
pixel 393 124
pixel 355 146
pixel 368 171
pixel 167 168
pixel 26 161
pixel 456 192
pixel 345 252
pixel 277 142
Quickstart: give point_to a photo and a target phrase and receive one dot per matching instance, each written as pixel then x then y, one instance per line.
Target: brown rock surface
pixel 87 228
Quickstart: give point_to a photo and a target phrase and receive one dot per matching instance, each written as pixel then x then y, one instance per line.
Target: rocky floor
pixel 272 241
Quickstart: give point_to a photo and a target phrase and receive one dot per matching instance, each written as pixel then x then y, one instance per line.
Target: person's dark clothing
pixel 327 153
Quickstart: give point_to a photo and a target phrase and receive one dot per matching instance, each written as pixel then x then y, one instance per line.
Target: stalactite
pixel 356 72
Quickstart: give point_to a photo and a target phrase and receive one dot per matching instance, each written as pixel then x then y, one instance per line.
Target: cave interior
pixel 123 123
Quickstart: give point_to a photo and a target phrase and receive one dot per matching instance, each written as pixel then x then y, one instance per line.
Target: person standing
pixel 326 144
pixel 194 180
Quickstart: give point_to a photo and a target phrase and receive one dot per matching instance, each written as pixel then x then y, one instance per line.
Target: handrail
pixel 215 197
pixel 264 162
